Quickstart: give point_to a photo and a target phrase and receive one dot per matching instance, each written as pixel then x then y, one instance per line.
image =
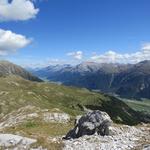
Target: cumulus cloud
pixel 76 55
pixel 114 57
pixel 17 10
pixel 10 42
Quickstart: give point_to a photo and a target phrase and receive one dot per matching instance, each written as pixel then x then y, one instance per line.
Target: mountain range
pixel 125 80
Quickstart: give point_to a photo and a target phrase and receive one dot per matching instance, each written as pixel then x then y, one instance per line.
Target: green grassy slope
pixel 142 106
pixel 16 92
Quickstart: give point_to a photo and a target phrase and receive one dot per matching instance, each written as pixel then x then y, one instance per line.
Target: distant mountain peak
pixel 145 61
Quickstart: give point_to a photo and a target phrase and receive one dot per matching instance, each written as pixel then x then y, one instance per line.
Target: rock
pixel 56 117
pixel 146 147
pixel 8 140
pixel 89 124
pixel 30 113
pixel 17 117
pixel 123 138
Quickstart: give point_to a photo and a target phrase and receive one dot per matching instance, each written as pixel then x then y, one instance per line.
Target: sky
pixel 38 33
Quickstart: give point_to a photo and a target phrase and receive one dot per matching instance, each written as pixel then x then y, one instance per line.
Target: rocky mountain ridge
pixel 8 68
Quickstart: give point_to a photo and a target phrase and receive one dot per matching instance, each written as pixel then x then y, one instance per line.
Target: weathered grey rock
pixel 91 123
pixel 10 140
pixel 29 112
pixel 146 147
pixel 123 137
pixel 56 117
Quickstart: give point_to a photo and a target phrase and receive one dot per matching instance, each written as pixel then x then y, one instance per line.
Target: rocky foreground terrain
pixel 95 131
pixel 121 137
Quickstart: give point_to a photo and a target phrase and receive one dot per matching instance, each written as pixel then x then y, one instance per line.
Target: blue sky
pixel 71 31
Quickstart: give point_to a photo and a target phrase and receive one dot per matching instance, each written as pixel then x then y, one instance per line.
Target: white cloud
pixel 76 55
pixel 10 42
pixel 113 57
pixel 17 10
pixel 146 47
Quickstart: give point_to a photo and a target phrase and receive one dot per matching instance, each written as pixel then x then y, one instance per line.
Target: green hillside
pixel 142 106
pixel 16 92
pixel 20 98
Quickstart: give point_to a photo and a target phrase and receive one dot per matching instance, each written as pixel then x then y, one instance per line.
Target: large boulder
pixel 89 124
pixel 15 141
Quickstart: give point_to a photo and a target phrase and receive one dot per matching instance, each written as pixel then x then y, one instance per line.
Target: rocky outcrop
pixel 31 113
pixel 122 137
pixel 89 124
pixel 146 147
pixel 15 141
pixel 56 117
